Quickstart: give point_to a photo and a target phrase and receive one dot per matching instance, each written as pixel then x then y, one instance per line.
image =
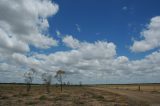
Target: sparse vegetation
pixel 47 78
pixel 60 75
pixel 29 78
pixel 31 103
pixel 71 96
pixel 43 97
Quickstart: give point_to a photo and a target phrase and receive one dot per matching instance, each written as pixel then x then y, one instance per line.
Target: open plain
pixel 16 95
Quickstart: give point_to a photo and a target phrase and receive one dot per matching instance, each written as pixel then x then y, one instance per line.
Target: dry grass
pixel 15 95
pixel 143 87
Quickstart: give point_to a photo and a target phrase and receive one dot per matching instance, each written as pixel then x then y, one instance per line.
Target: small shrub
pixel 58 98
pixel 20 95
pixel 4 97
pixel 24 94
pixel 31 103
pixel 77 100
pixel 43 97
pixel 98 97
pixel 19 100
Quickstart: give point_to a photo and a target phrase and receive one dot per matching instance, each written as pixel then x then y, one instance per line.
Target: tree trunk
pixel 28 87
pixel 61 86
pixel 48 88
pixel 139 87
pixel 61 82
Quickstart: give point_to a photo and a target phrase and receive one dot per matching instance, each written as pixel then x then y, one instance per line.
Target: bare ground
pixel 136 97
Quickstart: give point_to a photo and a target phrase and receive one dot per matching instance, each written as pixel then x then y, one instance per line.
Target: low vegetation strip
pixel 70 96
pixel 16 95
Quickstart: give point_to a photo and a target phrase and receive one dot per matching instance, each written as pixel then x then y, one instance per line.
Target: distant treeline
pixel 128 84
pixel 39 84
pixel 17 84
pixel 84 84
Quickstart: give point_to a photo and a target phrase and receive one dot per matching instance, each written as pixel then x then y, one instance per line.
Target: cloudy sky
pixel 93 41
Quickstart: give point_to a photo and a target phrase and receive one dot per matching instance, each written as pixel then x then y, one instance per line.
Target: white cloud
pixel 150 35
pixel 24 23
pixel 27 20
pixel 11 44
pixel 71 42
pixel 58 32
pixel 59 35
pixel 78 28
pixel 92 61
pixel 124 8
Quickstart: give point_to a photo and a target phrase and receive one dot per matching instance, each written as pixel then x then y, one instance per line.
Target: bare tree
pixel 80 83
pixel 28 78
pixel 139 87
pixel 60 75
pixel 47 79
pixel 68 83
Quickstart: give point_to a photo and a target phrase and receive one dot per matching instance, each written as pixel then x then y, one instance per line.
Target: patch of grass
pixel 110 100
pixel 98 97
pixel 31 103
pixel 77 101
pixel 95 96
pixel 58 98
pixel 43 97
pixel 19 100
pixel 4 97
pixel 64 95
pixel 24 94
pixel 20 95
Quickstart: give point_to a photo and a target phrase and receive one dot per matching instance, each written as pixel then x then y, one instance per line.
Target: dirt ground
pixel 136 97
pixel 143 87
pixel 15 95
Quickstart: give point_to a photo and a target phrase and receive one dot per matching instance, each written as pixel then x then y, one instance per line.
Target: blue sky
pixel 93 41
pixel 116 21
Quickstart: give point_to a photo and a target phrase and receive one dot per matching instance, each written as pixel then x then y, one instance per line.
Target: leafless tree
pixel 60 75
pixel 47 79
pixel 80 83
pixel 139 87
pixel 68 83
pixel 28 78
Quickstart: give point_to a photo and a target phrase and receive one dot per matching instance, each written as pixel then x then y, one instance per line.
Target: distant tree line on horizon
pixel 47 79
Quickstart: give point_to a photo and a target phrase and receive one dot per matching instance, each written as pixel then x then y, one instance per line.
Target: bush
pixel 43 97
pixel 31 103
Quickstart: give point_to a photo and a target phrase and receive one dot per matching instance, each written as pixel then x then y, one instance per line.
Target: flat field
pixel 137 94
pixel 15 95
pixel 143 87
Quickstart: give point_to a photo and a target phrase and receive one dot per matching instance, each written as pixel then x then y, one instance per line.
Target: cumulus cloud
pixel 150 35
pixel 99 60
pixel 124 8
pixel 96 61
pixel 26 21
pixel 71 42
pixel 78 28
pixel 11 44
pixel 23 23
pixel 88 59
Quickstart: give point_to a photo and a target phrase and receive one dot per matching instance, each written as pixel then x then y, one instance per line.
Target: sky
pixel 93 41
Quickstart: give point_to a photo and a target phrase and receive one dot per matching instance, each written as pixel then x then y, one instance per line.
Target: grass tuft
pixel 43 97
